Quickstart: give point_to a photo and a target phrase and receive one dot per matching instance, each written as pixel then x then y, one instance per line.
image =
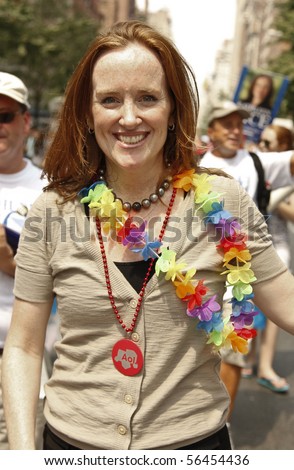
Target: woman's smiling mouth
pixel 131 139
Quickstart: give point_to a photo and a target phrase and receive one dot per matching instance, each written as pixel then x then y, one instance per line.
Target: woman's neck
pixel 133 186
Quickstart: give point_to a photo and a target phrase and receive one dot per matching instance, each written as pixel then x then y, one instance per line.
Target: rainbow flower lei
pixel 231 331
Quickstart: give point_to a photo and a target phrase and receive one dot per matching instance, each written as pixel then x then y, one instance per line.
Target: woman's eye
pixel 109 100
pixel 148 98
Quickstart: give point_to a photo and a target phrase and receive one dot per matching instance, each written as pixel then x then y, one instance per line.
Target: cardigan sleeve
pixel 33 279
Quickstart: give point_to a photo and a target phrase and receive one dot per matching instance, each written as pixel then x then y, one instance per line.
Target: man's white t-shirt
pixel 276 167
pixel 16 190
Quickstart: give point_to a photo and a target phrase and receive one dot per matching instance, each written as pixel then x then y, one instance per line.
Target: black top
pixel 135 272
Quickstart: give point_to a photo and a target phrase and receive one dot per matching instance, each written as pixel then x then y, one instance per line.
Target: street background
pixel 263 419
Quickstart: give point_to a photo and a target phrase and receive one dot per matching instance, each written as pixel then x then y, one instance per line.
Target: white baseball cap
pixel 225 109
pixel 12 86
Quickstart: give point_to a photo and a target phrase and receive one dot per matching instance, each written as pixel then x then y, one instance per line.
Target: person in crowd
pixel 260 92
pixel 274 138
pixel 125 236
pixel 20 185
pixel 277 138
pixel 258 103
pixel 225 130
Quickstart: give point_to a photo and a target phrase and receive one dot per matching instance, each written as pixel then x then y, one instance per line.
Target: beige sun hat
pixel 14 88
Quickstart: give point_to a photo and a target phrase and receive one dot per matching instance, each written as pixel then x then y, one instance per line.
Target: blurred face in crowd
pixel 131 108
pixel 13 132
pixel 268 141
pixel 226 135
pixel 261 89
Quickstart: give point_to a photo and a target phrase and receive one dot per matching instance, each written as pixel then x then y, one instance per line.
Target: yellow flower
pixel 240 273
pixel 108 206
pixel 202 186
pixel 234 253
pixel 184 286
pixel 174 270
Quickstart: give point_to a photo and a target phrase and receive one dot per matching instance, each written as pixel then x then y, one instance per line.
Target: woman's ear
pixel 90 122
pixel 172 118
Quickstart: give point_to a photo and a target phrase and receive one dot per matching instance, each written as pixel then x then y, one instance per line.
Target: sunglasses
pixel 9 116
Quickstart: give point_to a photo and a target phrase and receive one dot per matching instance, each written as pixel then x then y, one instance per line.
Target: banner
pixel 260 93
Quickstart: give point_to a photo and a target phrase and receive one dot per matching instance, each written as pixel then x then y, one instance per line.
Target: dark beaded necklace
pixel 146 202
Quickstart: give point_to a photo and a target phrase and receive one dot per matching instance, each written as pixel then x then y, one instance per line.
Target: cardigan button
pixel 122 429
pixel 128 399
pixel 133 303
pixel 135 337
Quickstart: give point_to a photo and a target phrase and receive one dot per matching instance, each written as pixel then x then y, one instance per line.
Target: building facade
pixel 107 12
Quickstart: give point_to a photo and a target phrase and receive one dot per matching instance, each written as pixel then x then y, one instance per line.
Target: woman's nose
pixel 129 115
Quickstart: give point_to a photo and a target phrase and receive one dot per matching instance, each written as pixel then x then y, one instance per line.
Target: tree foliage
pixel 42 42
pixel 284 64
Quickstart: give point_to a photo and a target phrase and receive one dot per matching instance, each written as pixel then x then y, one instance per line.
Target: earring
pixel 101 176
pixel 172 127
pixel 91 131
pixel 167 162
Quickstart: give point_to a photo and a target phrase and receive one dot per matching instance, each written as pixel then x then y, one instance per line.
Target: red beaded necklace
pixel 126 355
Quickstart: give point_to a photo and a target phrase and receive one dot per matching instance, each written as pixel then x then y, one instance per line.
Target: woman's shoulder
pixel 227 187
pixel 217 177
pixel 51 200
pixel 225 183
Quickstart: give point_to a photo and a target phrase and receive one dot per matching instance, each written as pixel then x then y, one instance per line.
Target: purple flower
pixel 206 310
pixel 136 235
pixel 229 226
pixel 243 320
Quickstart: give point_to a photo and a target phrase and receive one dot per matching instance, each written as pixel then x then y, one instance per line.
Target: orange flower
pixel 238 343
pixel 184 180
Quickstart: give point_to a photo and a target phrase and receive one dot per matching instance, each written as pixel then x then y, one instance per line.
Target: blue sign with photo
pixel 260 93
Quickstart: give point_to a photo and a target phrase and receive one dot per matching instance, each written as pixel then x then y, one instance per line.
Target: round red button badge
pixel 127 357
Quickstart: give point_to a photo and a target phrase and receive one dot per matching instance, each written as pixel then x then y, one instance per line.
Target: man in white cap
pixel 20 184
pixel 225 131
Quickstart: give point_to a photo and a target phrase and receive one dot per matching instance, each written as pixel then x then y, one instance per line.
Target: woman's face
pixel 131 108
pixel 268 141
pixel 261 89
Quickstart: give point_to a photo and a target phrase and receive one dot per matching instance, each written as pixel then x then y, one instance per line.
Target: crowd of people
pixel 229 154
pixel 159 262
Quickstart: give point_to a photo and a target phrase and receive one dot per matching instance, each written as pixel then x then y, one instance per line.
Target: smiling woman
pixel 126 241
